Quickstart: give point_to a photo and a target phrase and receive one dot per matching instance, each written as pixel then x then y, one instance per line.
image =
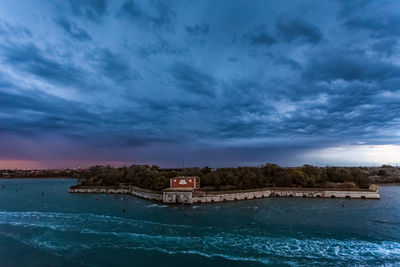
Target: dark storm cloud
pixel 349 65
pixel 386 47
pixel 115 67
pixel 298 29
pixel 31 59
pixel 161 47
pixel 293 64
pixel 36 113
pixel 229 81
pixel 244 95
pixel 287 30
pixel 161 15
pixel 350 8
pixel 90 9
pixel 260 36
pixel 72 30
pixel 192 80
pixel 198 29
pixel 385 26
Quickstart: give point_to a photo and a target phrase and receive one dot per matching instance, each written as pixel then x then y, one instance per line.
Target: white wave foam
pixel 77 219
pixel 125 233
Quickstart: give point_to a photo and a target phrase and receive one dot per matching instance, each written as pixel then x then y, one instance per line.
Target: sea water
pixel 41 224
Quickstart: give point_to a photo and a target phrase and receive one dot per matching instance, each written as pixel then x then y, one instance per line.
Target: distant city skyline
pixel 216 83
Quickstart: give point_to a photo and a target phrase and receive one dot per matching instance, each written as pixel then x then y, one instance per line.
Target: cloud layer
pixel 216 83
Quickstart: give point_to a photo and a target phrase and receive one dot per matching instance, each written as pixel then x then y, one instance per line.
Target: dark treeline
pixel 9 173
pixel 270 175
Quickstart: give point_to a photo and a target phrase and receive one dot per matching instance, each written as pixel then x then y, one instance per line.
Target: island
pixel 206 185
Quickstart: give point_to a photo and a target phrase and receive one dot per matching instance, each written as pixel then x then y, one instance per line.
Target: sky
pixel 194 83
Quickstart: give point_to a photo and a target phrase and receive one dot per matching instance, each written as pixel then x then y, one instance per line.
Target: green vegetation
pixel 143 176
pixel 270 175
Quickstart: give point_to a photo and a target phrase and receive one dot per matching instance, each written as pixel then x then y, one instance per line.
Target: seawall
pixel 135 191
pixel 212 197
pixel 198 197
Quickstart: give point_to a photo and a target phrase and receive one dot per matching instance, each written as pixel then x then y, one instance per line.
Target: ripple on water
pixel 131 234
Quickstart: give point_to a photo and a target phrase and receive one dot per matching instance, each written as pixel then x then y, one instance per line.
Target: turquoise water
pixel 62 229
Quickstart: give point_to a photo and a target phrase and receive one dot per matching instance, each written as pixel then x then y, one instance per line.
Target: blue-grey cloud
pixel 192 80
pixel 198 29
pixel 349 66
pixel 72 30
pixel 298 29
pixel 136 80
pixel 30 59
pixel 14 30
pixel 115 67
pixel 160 17
pixel 293 64
pixel 160 47
pixel 90 9
pixel 46 113
pixel 386 47
pixel 260 36
pixel 381 26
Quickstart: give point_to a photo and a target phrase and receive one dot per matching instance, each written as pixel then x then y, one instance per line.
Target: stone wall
pixel 177 197
pixel 223 197
pixel 190 197
pixel 135 192
pixel 99 190
pixel 147 195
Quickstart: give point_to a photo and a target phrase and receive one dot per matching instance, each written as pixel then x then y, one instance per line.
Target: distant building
pixel 185 182
pixel 181 189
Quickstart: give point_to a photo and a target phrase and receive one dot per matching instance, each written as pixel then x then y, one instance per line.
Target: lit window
pixel 174 180
pixel 190 180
